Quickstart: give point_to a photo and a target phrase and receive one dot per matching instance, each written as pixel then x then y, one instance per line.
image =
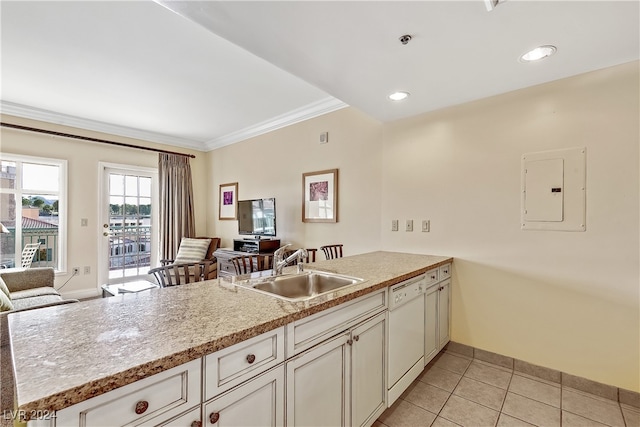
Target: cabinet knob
pixel 350 341
pixel 251 358
pixel 196 424
pixel 433 277
pixel 141 407
pixel 356 338
pixel 214 417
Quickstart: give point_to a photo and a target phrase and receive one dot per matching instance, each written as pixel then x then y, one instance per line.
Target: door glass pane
pixel 116 184
pixel 130 226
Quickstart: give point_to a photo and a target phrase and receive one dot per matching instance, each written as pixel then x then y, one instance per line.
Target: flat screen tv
pixel 257 217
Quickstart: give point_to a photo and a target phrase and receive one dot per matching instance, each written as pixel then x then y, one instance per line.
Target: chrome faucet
pixel 279 261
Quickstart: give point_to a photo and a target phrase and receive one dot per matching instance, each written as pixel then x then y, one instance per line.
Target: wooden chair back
pixel 245 264
pixel 332 251
pixel 311 255
pixel 180 274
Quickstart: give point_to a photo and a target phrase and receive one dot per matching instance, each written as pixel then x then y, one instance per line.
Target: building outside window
pixel 32 210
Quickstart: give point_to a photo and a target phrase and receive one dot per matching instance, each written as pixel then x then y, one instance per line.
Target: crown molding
pixel 26 112
pixel 309 111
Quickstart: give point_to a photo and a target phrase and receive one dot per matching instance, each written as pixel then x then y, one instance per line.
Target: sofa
pixel 26 290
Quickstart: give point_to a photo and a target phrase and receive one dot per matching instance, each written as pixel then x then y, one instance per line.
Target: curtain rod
pixel 86 138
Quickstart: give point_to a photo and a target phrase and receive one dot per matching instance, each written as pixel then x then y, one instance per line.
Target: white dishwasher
pixel 406 335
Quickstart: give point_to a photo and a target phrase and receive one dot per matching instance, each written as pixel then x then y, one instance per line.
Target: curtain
pixel 176 203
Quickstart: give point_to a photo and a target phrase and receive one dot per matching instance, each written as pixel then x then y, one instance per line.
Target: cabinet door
pixel 259 402
pixel 318 385
pixel 188 419
pixel 431 328
pixel 368 388
pixel 444 301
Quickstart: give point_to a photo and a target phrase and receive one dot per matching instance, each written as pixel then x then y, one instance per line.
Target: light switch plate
pixel 409 225
pixel 394 225
pixel 426 225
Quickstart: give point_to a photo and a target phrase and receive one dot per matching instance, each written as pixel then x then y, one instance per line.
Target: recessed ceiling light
pixel 538 53
pixel 399 96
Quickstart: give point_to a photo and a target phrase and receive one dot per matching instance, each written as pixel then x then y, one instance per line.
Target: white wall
pixel 565 300
pixel 272 165
pixel 83 173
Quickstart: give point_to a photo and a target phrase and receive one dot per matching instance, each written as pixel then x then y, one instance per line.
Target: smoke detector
pixel 405 39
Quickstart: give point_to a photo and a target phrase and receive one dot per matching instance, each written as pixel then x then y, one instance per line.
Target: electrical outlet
pixel 394 225
pixel 426 225
pixel 87 269
pixel 75 271
pixel 409 226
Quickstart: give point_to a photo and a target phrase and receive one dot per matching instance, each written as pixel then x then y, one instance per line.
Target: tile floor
pixel 455 390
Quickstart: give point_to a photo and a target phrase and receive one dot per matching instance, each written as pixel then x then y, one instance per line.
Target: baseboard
pixel 610 392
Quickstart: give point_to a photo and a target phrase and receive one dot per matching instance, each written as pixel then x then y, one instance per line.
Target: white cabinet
pixel 233 365
pixel 444 304
pixel 318 386
pixel 437 314
pixel 258 402
pixel 368 388
pixel 159 397
pixel 340 381
pixel 190 418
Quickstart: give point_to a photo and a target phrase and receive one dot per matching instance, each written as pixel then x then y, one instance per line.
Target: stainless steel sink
pixel 304 286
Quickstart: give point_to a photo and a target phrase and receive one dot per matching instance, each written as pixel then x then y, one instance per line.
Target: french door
pixel 128 223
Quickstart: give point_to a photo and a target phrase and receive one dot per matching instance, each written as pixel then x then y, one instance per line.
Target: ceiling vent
pixel 491 4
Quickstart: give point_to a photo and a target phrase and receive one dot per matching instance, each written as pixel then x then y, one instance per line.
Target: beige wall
pixel 272 165
pixel 83 173
pixel 565 300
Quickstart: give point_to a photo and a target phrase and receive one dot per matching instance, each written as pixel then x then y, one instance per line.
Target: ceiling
pixel 217 72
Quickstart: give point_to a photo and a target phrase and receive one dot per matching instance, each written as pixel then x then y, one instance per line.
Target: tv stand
pixel 256 246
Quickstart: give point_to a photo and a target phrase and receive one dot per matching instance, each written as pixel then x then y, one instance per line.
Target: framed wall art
pixel 228 201
pixel 320 196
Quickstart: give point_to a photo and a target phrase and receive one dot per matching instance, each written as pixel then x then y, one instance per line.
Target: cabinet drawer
pixel 305 333
pixel 192 418
pixel 168 393
pixel 227 368
pixel 445 271
pixel 432 276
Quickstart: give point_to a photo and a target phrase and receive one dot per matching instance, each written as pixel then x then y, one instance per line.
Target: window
pixel 33 210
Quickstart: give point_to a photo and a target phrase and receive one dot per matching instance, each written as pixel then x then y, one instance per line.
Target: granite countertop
pixel 66 354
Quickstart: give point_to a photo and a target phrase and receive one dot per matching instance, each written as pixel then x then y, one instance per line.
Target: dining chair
pixel 311 255
pixel 332 251
pixel 180 274
pixel 245 264
pixel 206 254
pixel 28 253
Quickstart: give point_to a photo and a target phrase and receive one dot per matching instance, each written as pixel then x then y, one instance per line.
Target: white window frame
pixel 18 192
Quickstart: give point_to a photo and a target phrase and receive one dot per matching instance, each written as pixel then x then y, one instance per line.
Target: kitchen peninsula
pixel 68 354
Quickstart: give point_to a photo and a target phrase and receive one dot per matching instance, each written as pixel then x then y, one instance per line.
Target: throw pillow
pixel 5 302
pixel 192 250
pixel 3 288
